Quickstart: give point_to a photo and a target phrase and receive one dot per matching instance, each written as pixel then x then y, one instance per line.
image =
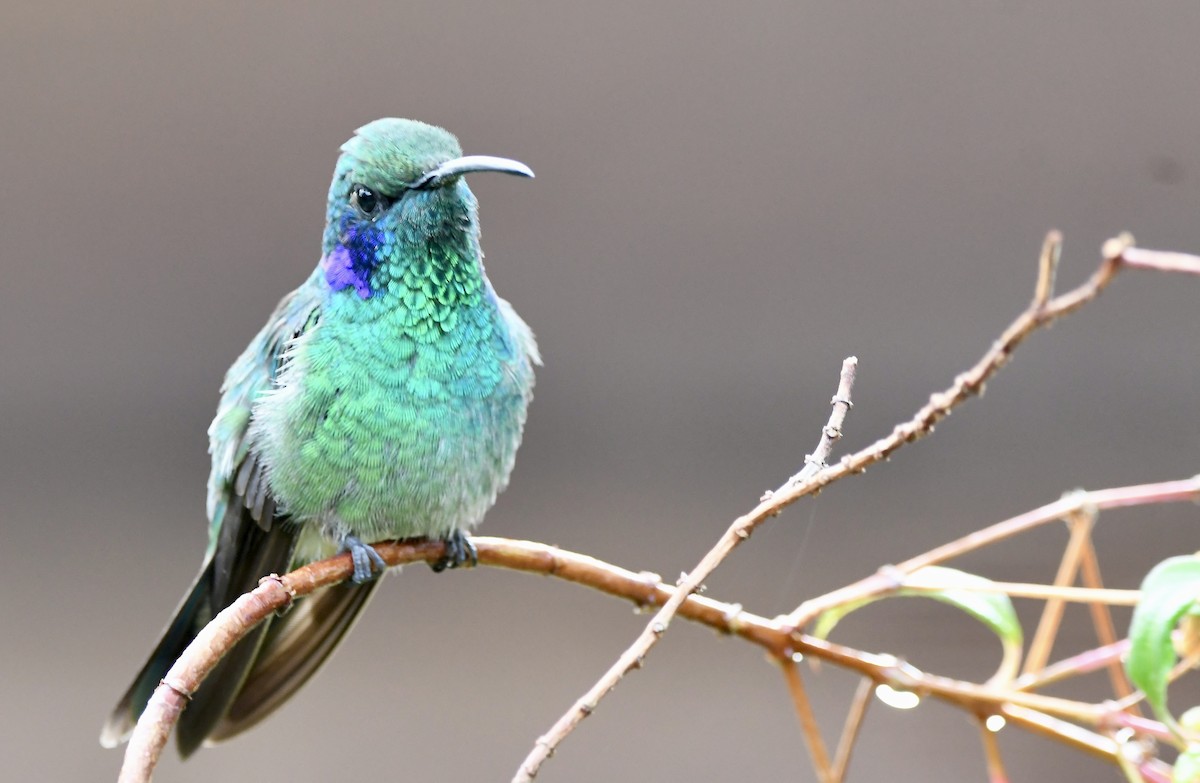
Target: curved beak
pixel 469 163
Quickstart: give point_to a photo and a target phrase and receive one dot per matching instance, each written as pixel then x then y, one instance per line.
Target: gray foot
pixel 459 550
pixel 368 564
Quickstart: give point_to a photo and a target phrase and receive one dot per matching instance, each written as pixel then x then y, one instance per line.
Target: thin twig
pixel 1038 315
pixel 1145 727
pixel 1082 663
pixel 854 721
pixel 1088 595
pixel 1080 524
pixel 214 640
pixel 886 579
pixel 805 482
pixel 777 636
pixel 1061 731
pixel 1102 621
pixel 1047 269
pixel 643 589
pixel 808 721
pixel 991 753
pixel 1160 260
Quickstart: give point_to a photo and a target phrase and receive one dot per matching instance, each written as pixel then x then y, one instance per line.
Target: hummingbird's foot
pixel 459 550
pixel 366 560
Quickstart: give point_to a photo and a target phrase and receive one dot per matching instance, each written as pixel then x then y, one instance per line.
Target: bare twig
pixel 886 580
pixel 1082 663
pixel 1047 269
pixel 854 721
pixel 1080 523
pixel 808 721
pixel 805 482
pixel 643 589
pixel 1042 311
pixel 1102 621
pixel 1157 260
pixel 1104 596
pixel 1119 718
pixel 991 753
pixel 778 637
pixel 215 639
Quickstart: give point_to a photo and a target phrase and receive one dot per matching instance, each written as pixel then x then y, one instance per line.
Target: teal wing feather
pixel 246 539
pixel 237 477
pixel 265 670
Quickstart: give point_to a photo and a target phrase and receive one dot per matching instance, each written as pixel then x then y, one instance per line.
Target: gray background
pixel 730 198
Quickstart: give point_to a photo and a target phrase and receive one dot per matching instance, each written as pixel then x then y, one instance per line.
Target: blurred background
pixel 730 198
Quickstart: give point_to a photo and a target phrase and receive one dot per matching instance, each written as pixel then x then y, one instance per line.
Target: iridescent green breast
pixel 400 414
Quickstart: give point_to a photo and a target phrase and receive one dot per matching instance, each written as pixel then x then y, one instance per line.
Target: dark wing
pixel 295 647
pixel 246 539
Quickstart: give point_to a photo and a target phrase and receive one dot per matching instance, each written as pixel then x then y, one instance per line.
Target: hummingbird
pixel 384 398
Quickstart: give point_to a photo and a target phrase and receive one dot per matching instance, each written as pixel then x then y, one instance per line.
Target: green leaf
pixel 967 592
pixel 1169 592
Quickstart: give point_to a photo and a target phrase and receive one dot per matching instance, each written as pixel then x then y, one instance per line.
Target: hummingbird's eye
pixel 366 200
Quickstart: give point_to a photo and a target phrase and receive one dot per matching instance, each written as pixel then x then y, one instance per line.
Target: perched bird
pixel 384 398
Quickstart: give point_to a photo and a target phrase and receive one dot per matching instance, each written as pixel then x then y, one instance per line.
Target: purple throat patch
pixel 341 272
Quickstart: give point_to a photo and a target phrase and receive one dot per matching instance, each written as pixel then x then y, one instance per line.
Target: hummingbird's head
pixel 398 187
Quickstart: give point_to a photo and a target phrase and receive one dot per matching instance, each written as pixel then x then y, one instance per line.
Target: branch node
pixel 1114 248
pixel 892 575
pixel 177 689
pixel 650 578
pixel 291 591
pixel 731 616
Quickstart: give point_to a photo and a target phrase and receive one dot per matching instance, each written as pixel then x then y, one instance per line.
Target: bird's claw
pixel 368 564
pixel 459 550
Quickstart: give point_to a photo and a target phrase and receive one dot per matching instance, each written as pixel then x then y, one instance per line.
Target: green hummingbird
pixel 385 398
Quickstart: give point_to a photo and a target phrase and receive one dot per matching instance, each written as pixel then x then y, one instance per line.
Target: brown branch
pixel 1047 269
pixel 1080 524
pixel 1106 596
pixel 808 720
pixel 777 636
pixel 890 578
pixel 1102 621
pixel 1082 663
pixel 991 753
pixel 1156 260
pixel 275 593
pixel 805 482
pixel 1061 731
pixel 218 637
pixel 854 721
pixel 1042 312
